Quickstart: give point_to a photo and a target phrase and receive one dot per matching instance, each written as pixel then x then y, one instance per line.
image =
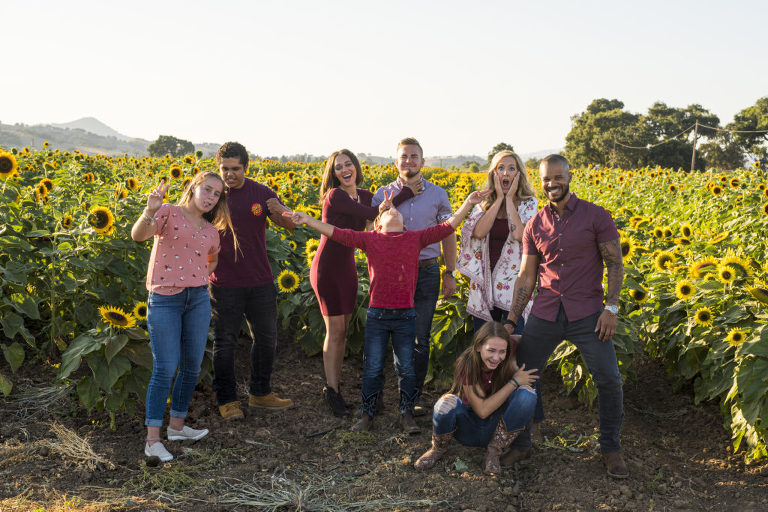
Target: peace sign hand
pixel 155 198
pixel 478 196
pixel 386 204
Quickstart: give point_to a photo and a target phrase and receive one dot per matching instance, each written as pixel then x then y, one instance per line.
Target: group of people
pixel 210 255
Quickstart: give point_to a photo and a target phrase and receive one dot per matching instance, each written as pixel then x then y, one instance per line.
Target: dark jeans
pixel 259 305
pixel 381 324
pixel 424 303
pixel 499 315
pixel 540 339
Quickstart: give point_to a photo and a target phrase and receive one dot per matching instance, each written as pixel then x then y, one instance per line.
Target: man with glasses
pixel 430 206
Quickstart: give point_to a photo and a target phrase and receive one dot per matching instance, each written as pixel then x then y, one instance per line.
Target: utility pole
pixel 695 134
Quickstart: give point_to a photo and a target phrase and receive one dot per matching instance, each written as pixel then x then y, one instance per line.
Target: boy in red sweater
pixel 393 258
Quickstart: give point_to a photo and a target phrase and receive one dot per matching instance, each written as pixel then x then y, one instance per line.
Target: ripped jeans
pixel 450 414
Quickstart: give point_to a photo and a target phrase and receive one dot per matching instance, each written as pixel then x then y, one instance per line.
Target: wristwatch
pixel 612 309
pixel 451 273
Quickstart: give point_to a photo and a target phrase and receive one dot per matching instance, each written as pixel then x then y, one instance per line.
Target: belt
pixel 427 262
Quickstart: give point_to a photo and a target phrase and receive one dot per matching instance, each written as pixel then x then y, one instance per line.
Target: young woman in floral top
pixel 184 253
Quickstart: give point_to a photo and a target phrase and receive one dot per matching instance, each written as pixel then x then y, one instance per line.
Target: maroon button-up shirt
pixel 570 263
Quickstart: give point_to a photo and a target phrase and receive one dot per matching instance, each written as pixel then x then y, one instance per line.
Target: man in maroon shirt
pixel 565 246
pixel 243 285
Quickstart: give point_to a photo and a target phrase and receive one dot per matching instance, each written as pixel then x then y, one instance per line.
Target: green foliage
pixel 754 118
pixel 170 145
pixel 501 146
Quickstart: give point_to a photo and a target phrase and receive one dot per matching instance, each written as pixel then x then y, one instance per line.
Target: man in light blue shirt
pixel 429 206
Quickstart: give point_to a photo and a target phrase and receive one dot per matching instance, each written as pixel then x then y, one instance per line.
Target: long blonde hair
pixel 524 188
pixel 219 215
pixel 469 365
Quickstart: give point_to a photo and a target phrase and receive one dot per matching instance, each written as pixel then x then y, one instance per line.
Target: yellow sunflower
pixel 639 296
pixel 41 189
pixel 373 188
pixel 658 232
pixel 66 222
pixel 101 219
pixel 716 190
pixel 734 183
pixel 682 241
pixel 47 183
pixel 664 260
pixel 315 180
pixel 704 266
pixel 121 193
pixel 140 310
pixel 116 317
pixel 88 177
pixel 189 159
pixel 726 273
pixel 288 281
pixel 719 237
pixel 8 165
pixel 627 248
pixel 132 184
pixel 759 291
pixel 673 188
pixel 686 230
pixel 175 172
pixel 765 209
pixel 704 317
pixel 667 231
pixel 186 183
pixel 195 170
pixel 737 262
pixel 685 289
pixel 292 244
pixel 736 337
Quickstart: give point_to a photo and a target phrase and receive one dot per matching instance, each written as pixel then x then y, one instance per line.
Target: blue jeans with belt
pixel 178 331
pixel 381 325
pixel 452 415
pixel 424 304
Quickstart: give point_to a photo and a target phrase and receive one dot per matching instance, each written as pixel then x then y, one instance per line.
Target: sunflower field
pixel 72 281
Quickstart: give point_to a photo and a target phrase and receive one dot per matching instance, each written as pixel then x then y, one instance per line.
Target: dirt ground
pixel 678 454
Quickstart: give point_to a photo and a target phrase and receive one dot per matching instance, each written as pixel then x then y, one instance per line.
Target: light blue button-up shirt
pixel 425 210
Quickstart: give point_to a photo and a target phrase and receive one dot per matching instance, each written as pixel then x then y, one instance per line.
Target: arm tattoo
pixel 522 295
pixel 512 228
pixel 611 253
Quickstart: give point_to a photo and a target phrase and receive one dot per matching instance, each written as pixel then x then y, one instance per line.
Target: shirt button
pixel 561 250
pixel 562 264
pixel 559 234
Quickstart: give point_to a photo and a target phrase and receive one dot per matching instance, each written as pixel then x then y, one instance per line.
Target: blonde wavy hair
pixel 524 188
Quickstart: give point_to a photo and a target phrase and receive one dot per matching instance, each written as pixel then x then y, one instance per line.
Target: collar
pixel 401 182
pixel 570 206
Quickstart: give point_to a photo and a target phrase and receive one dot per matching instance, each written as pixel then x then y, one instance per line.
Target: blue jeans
pixel 259 305
pixel 178 330
pixel 380 325
pixel 500 315
pixel 540 339
pixel 452 415
pixel 424 303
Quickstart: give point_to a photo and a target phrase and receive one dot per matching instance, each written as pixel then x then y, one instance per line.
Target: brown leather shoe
pixel 614 465
pixel 513 456
pixel 270 401
pixel 409 424
pixel 231 411
pixel 365 423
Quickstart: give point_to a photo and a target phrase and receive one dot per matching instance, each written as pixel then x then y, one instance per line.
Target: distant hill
pixel 92 125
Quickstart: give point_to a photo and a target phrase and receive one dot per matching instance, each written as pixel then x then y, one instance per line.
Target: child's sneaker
pixel 157 450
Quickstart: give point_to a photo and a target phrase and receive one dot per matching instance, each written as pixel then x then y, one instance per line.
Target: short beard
pixel 412 173
pixel 566 190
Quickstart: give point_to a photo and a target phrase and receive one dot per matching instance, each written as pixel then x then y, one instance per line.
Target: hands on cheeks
pixel 386 204
pixel 513 186
pixel 606 326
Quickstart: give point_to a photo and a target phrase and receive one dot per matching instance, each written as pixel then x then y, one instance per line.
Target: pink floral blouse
pixel 491 289
pixel 179 256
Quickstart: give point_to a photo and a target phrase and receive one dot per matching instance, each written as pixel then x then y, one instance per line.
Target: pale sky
pixel 305 76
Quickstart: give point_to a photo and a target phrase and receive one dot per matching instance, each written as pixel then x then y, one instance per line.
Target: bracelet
pixel 510 322
pixel 516 382
pixel 147 219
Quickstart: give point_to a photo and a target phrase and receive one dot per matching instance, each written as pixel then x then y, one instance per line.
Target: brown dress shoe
pixel 614 465
pixel 365 423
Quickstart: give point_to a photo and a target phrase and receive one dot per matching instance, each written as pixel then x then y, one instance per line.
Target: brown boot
pixel 364 424
pixel 499 442
pixel 614 465
pixel 513 456
pixel 440 444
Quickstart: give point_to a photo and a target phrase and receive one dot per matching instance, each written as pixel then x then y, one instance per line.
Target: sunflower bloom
pixel 116 317
pixel 292 244
pixel 101 219
pixel 685 289
pixel 9 167
pixel 704 317
pixel 175 172
pixel 47 183
pixel 726 273
pixel 639 296
pixel 664 260
pixel 66 222
pixel 716 190
pixel 719 237
pixel 736 337
pixel 627 248
pixel 288 281
pixel 686 230
pixel 701 267
pixel 140 310
pixel 132 184
pixel 759 291
pixel 765 209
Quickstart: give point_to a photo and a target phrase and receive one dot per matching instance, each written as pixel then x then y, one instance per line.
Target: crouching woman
pixel 490 402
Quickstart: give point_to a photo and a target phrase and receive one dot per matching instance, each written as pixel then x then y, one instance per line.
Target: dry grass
pixel 54 500
pixel 78 449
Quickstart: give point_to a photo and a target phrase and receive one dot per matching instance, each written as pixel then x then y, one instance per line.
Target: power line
pixel 649 146
pixel 732 131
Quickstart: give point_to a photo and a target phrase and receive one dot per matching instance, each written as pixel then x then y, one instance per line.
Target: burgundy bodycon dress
pixel 333 273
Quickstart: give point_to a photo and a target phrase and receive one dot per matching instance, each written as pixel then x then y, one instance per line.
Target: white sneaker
pixel 157 450
pixel 186 434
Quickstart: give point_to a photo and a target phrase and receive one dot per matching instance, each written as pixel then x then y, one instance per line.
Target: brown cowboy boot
pixel 500 440
pixel 440 444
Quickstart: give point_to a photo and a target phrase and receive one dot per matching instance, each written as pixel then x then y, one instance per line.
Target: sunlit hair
pixel 330 181
pixel 232 150
pixel 469 365
pixel 524 188
pixel 556 159
pixel 377 221
pixel 219 214
pixel 410 141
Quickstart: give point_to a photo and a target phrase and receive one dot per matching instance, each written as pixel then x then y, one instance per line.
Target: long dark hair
pixel 330 181
pixel 469 365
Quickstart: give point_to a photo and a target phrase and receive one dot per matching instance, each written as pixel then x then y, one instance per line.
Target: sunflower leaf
pixel 11 323
pixel 14 354
pixel 114 345
pixel 71 358
pixel 88 392
pixel 106 374
pixel 5 385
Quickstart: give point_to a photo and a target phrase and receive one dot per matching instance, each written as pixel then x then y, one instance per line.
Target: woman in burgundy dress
pixel 333 273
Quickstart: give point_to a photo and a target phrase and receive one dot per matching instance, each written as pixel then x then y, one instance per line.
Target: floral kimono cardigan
pixel 491 290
